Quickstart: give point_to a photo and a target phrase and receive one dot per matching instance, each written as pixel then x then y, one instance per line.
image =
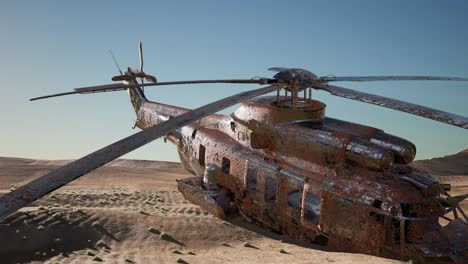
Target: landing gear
pixel 206 193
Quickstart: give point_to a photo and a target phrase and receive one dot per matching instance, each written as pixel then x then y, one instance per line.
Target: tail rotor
pixel 131 74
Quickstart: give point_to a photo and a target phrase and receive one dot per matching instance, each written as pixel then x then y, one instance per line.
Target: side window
pixel 294 194
pixel 312 207
pixel 251 181
pixel 201 155
pixel 377 216
pixel 270 188
pixel 226 165
pixel 233 126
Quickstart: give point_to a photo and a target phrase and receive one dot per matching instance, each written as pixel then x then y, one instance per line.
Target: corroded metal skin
pixel 264 110
pixel 192 191
pixel 312 177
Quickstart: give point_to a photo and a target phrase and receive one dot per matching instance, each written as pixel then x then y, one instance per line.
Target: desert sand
pixel 131 212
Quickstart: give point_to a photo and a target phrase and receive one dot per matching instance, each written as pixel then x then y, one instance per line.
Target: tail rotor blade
pixel 150 78
pixel 141 56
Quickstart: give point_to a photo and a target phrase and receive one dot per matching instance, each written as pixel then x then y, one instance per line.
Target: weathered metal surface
pixel 403 150
pixel 11 202
pixel 414 109
pixel 309 136
pixel 192 191
pixel 448 241
pixel 303 178
pixel 265 110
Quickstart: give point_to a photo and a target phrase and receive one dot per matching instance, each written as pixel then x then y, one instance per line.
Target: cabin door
pixel 262 189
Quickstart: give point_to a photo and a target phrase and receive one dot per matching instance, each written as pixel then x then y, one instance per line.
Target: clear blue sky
pixel 53 46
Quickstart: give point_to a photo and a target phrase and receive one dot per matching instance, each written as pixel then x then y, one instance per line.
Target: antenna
pixel 141 56
pixel 115 61
pixel 140 49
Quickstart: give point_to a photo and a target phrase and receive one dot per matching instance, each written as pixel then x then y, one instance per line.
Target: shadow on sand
pixel 38 236
pixel 238 221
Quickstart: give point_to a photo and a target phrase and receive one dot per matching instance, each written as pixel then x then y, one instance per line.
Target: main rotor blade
pixel 39 187
pixel 388 78
pixel 53 95
pixel 140 48
pixel 103 88
pixel 126 86
pixel 122 86
pixel 419 110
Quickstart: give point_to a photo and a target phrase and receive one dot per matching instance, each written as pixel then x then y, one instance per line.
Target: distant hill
pixel 450 165
pixel 456 164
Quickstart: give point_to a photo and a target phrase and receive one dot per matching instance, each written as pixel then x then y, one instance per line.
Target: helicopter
pixel 280 163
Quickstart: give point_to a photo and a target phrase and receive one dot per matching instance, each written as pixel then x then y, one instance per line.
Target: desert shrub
pixel 163 235
pixel 247 244
pixel 101 243
pixel 56 215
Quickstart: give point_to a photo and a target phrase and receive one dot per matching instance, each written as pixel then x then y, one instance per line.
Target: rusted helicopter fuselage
pixel 300 173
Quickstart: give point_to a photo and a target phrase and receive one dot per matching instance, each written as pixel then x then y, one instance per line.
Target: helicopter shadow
pixel 35 237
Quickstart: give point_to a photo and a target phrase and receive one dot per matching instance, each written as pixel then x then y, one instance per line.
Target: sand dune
pixel 456 164
pixel 127 205
pixel 451 169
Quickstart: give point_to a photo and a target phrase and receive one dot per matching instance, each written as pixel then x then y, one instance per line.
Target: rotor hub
pixel 295 81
